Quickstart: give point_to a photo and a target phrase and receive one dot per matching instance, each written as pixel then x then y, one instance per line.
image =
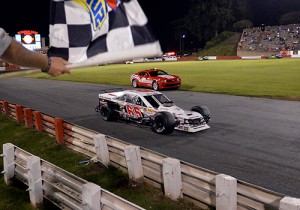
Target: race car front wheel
pixel 203 110
pixel 163 123
pixel 106 113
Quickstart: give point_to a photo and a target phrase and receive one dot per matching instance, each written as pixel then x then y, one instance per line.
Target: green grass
pixel 224 50
pixel 278 78
pixel 222 45
pixel 15 196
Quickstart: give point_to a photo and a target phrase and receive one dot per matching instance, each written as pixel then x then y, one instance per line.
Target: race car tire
pixel 163 123
pixel 203 110
pixel 134 83
pixel 155 85
pixel 106 113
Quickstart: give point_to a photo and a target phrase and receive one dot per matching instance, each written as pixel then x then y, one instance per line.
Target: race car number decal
pixel 133 110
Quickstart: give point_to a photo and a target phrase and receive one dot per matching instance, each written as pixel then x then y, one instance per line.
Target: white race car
pixel 152 108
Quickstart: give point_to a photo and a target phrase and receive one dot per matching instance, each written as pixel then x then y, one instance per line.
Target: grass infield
pixel 276 78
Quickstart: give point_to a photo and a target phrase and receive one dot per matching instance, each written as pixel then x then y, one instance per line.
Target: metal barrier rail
pixel 62 188
pixel 203 187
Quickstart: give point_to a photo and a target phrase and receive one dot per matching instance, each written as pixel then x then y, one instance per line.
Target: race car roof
pixel 140 92
pixel 143 92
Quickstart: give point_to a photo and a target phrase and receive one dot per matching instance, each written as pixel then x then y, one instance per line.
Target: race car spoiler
pixel 110 90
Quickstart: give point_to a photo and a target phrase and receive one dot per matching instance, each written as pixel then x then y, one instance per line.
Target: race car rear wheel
pixel 203 110
pixel 163 123
pixel 106 113
pixel 134 83
pixel 155 85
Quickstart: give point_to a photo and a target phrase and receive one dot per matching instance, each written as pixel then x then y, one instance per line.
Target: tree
pixel 207 18
pixel 242 24
pixel 290 17
pixel 270 11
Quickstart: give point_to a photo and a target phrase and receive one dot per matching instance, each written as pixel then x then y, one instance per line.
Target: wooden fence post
pixel 226 192
pixel 28 118
pixel 288 203
pixel 19 114
pixel 5 107
pixel 172 178
pixel 38 121
pixel 8 162
pixel 101 148
pixel 91 196
pixel 59 130
pixel 134 163
pixel 35 180
pixel 1 106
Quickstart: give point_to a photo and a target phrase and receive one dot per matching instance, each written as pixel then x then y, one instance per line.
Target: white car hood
pixel 180 113
pixel 166 76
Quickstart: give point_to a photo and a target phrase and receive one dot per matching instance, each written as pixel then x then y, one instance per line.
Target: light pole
pixel 181 42
pixel 183 36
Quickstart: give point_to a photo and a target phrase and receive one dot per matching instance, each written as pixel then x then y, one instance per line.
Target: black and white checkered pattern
pixel 72 35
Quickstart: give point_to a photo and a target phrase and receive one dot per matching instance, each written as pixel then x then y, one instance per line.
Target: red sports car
pixel 156 79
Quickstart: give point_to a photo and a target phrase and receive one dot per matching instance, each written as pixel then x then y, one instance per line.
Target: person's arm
pixel 19 55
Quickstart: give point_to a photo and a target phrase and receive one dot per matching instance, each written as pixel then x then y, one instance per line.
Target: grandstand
pixel 269 40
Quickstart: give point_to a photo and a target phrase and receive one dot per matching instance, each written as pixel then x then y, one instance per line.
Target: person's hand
pixel 58 66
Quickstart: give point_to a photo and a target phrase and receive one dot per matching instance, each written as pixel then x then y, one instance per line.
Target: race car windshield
pixel 162 98
pixel 156 73
pixel 152 101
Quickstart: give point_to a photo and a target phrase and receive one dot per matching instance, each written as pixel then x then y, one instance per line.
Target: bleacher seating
pixel 272 40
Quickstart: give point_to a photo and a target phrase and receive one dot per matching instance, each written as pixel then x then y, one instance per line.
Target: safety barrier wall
pixel 62 188
pixel 178 179
pixel 243 57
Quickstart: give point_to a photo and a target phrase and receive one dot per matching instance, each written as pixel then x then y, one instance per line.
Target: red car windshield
pixel 158 72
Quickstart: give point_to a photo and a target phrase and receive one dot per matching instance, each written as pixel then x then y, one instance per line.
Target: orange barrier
pixel 59 130
pixel 19 114
pixel 286 56
pixel 5 107
pixel 227 57
pixel 28 118
pixel 43 123
pixel 192 58
pixel 38 121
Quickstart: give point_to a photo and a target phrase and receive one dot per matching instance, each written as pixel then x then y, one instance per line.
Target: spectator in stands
pixel 274 38
pixel 13 52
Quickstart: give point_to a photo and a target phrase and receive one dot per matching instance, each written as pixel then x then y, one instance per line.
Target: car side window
pixel 122 97
pixel 152 101
pixel 145 74
pixel 138 101
pixel 128 98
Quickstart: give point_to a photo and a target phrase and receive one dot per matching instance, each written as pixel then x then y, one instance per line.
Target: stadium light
pixel 181 42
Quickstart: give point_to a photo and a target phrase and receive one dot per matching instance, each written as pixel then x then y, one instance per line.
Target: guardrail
pixel 178 179
pixel 62 188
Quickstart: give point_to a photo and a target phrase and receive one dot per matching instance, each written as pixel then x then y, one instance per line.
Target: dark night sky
pixel 34 14
pixel 27 17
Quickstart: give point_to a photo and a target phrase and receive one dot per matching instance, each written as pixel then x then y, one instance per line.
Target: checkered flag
pixel 93 32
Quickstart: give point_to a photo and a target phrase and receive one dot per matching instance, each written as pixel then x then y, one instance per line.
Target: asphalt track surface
pixel 252 139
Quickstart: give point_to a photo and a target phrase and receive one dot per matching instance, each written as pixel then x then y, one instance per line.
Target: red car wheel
pixel 155 85
pixel 134 83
